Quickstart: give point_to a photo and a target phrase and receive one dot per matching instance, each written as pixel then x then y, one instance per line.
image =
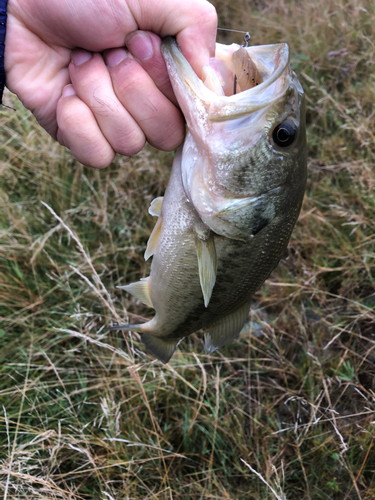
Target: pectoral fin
pixel 155 207
pixel 206 254
pixel 158 347
pixel 153 240
pixel 140 290
pixel 249 215
pixel 227 329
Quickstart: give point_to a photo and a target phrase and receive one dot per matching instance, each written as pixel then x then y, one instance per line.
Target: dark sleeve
pixel 3 20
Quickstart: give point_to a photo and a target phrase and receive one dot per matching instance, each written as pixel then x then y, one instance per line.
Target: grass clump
pixel 285 412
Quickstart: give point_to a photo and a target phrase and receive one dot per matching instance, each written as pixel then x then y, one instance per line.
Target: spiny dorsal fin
pixel 227 329
pixel 158 347
pixel 140 290
pixel 153 240
pixel 155 207
pixel 206 254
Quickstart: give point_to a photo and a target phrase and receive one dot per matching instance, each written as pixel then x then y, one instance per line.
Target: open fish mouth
pixel 270 62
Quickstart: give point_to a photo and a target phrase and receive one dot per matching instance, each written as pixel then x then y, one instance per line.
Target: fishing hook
pixel 246 39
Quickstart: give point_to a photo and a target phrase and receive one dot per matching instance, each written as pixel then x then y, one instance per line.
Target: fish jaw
pixel 192 95
pixel 202 106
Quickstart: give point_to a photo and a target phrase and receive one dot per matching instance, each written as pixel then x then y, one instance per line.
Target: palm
pixel 38 74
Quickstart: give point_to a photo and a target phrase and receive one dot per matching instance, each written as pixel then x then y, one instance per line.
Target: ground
pixel 285 412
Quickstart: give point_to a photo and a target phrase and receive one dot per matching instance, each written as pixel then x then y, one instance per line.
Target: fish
pixel 233 198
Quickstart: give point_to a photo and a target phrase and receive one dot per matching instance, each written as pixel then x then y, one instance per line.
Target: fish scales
pixel 233 198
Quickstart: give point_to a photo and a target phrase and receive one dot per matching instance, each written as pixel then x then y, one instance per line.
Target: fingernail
pixel 140 46
pixel 68 90
pixel 80 56
pixel 115 56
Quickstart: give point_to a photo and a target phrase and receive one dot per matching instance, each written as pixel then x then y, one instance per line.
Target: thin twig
pixel 262 479
pixel 103 289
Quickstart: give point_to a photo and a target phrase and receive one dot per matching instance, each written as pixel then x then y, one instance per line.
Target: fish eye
pixel 284 134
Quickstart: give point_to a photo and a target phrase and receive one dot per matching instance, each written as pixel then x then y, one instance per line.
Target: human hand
pixel 66 60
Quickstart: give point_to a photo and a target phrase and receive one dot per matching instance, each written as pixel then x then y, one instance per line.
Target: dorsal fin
pixel 153 240
pixel 206 254
pixel 226 329
pixel 155 207
pixel 140 290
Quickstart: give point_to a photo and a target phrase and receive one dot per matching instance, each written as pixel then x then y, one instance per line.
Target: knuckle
pixel 131 144
pixel 130 84
pixel 78 131
pixel 103 105
pixel 208 14
pixel 68 114
pixel 169 132
pixel 170 141
pixel 94 155
pixel 100 162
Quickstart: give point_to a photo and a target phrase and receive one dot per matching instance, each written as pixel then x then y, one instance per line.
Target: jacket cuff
pixel 3 21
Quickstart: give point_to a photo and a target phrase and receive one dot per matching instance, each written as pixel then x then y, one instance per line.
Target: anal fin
pixel 153 240
pixel 226 329
pixel 140 290
pixel 206 254
pixel 158 347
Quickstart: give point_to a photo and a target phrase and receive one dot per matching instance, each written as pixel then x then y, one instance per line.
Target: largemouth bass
pixel 233 198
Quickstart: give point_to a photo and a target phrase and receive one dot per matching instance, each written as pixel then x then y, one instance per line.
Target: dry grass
pixel 285 412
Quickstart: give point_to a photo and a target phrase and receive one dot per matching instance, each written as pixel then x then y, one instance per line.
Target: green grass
pixel 288 410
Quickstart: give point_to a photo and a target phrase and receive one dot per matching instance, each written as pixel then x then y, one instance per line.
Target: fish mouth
pixel 271 61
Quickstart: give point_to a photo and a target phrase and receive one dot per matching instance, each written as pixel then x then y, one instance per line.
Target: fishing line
pixel 228 29
pixel 246 38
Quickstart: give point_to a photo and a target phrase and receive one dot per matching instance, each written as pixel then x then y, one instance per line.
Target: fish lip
pixel 223 108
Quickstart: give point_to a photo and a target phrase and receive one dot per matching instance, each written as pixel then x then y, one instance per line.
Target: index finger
pixel 197 41
pixel 194 24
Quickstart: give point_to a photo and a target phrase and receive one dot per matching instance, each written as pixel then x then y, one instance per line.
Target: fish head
pixel 244 157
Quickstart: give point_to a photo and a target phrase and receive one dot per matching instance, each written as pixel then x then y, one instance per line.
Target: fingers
pixel 92 83
pixel 79 131
pixel 145 95
pixel 145 47
pixel 114 107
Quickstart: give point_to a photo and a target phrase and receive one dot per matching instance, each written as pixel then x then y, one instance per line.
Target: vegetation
pixel 285 412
